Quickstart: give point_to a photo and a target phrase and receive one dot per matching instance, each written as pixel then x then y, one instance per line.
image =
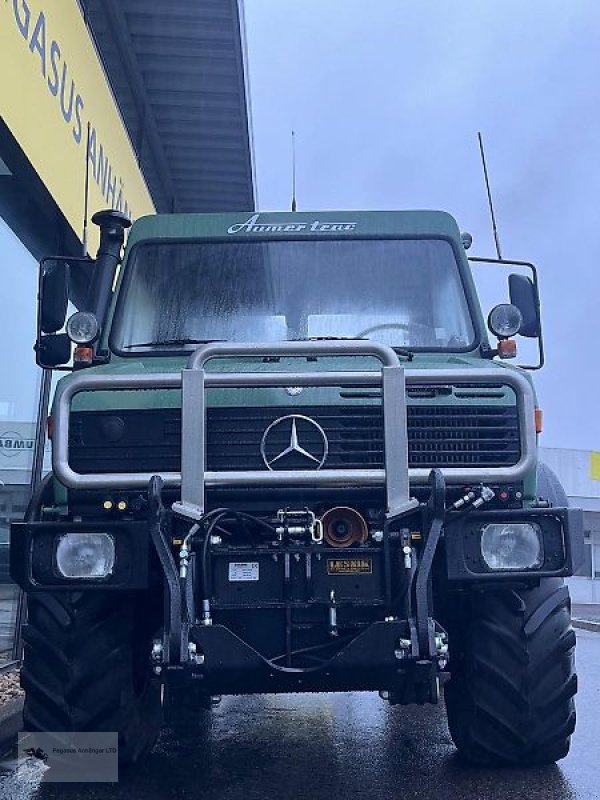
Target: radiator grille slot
pixel 438 436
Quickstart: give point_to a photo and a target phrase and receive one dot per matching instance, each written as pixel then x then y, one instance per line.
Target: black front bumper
pixel 370 661
pixel 32 550
pixel 399 655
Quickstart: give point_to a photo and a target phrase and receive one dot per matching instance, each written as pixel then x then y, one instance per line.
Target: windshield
pixel 403 293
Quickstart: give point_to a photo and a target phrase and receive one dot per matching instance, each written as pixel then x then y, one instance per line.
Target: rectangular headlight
pixel 85 555
pixel 512 545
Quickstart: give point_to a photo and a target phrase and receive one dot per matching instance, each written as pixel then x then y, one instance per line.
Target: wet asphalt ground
pixel 330 746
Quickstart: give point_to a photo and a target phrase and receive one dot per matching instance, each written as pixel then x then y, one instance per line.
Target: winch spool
pixel 344 527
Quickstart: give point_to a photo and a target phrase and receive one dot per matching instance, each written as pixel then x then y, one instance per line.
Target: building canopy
pixel 178 74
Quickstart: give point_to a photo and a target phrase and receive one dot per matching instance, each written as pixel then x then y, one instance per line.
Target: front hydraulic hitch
pixel 434 515
pixel 157 515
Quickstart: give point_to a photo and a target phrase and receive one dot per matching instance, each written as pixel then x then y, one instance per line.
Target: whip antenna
pixel 489 196
pixel 86 192
pixel 294 204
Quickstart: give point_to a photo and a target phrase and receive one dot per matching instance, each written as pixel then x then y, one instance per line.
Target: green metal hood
pixel 89 401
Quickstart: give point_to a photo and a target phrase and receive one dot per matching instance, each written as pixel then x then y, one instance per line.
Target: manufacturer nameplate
pixel 243 570
pixel 349 566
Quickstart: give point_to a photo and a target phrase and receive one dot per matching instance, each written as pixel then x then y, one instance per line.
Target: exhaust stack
pixel 112 226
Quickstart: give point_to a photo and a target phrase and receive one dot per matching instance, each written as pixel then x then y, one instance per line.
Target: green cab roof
pixel 297 224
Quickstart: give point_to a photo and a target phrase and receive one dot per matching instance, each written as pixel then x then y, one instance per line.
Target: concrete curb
pixel 11 722
pixel 586 625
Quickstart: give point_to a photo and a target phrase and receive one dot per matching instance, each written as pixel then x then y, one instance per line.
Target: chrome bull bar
pixel 194 479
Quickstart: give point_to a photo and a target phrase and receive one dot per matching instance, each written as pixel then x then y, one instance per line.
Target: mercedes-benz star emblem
pixel 274 454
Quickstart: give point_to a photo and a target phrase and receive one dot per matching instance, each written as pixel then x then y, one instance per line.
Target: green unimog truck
pixel 288 458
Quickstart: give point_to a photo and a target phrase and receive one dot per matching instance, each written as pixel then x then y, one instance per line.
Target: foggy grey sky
pixel 386 98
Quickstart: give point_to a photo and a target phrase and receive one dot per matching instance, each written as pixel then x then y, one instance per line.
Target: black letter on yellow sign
pixel 38 40
pixel 22 23
pixel 77 128
pixel 67 113
pixel 53 83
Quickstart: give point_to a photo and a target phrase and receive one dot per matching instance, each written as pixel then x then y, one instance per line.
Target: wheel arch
pixel 549 486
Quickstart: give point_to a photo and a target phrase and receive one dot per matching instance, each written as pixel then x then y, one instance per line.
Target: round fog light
pixel 85 555
pixel 505 320
pixel 83 327
pixel 512 546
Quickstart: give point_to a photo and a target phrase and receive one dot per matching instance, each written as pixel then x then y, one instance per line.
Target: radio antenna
pixel 489 196
pixel 86 192
pixel 294 204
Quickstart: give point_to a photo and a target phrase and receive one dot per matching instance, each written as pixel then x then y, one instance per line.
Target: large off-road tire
pixel 510 696
pixel 86 668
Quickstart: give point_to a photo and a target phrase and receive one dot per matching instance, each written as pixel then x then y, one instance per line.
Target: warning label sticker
pixel 243 570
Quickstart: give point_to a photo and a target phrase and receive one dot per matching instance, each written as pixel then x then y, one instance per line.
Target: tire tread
pixel 78 670
pixel 510 697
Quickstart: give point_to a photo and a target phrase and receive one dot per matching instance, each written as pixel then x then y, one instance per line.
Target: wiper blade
pixel 401 351
pixel 170 343
pixel 333 339
pixel 407 354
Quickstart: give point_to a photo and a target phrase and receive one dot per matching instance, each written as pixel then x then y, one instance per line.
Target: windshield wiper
pixel 170 343
pixel 180 342
pixel 332 338
pixel 401 351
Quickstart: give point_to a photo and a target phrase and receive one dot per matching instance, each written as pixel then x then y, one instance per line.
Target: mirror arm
pixel 485 351
pixel 534 274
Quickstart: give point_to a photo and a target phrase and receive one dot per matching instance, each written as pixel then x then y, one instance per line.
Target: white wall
pixel 579 473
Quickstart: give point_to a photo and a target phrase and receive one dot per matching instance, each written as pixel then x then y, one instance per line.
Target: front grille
pixel 438 436
pixel 459 436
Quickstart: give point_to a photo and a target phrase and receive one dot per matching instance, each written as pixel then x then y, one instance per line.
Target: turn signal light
pixel 507 348
pixel 83 355
pixel 539 420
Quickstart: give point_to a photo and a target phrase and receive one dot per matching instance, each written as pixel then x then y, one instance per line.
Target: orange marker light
pixel 83 354
pixel 539 420
pixel 50 427
pixel 507 348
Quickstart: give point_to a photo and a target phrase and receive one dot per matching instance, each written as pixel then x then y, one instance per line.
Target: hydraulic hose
pixel 213 518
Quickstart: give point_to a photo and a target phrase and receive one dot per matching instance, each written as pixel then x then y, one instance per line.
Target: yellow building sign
pixel 595 465
pixel 52 85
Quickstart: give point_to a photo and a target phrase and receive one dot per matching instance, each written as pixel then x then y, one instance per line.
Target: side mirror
pixel 53 295
pixel 524 296
pixel 53 350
